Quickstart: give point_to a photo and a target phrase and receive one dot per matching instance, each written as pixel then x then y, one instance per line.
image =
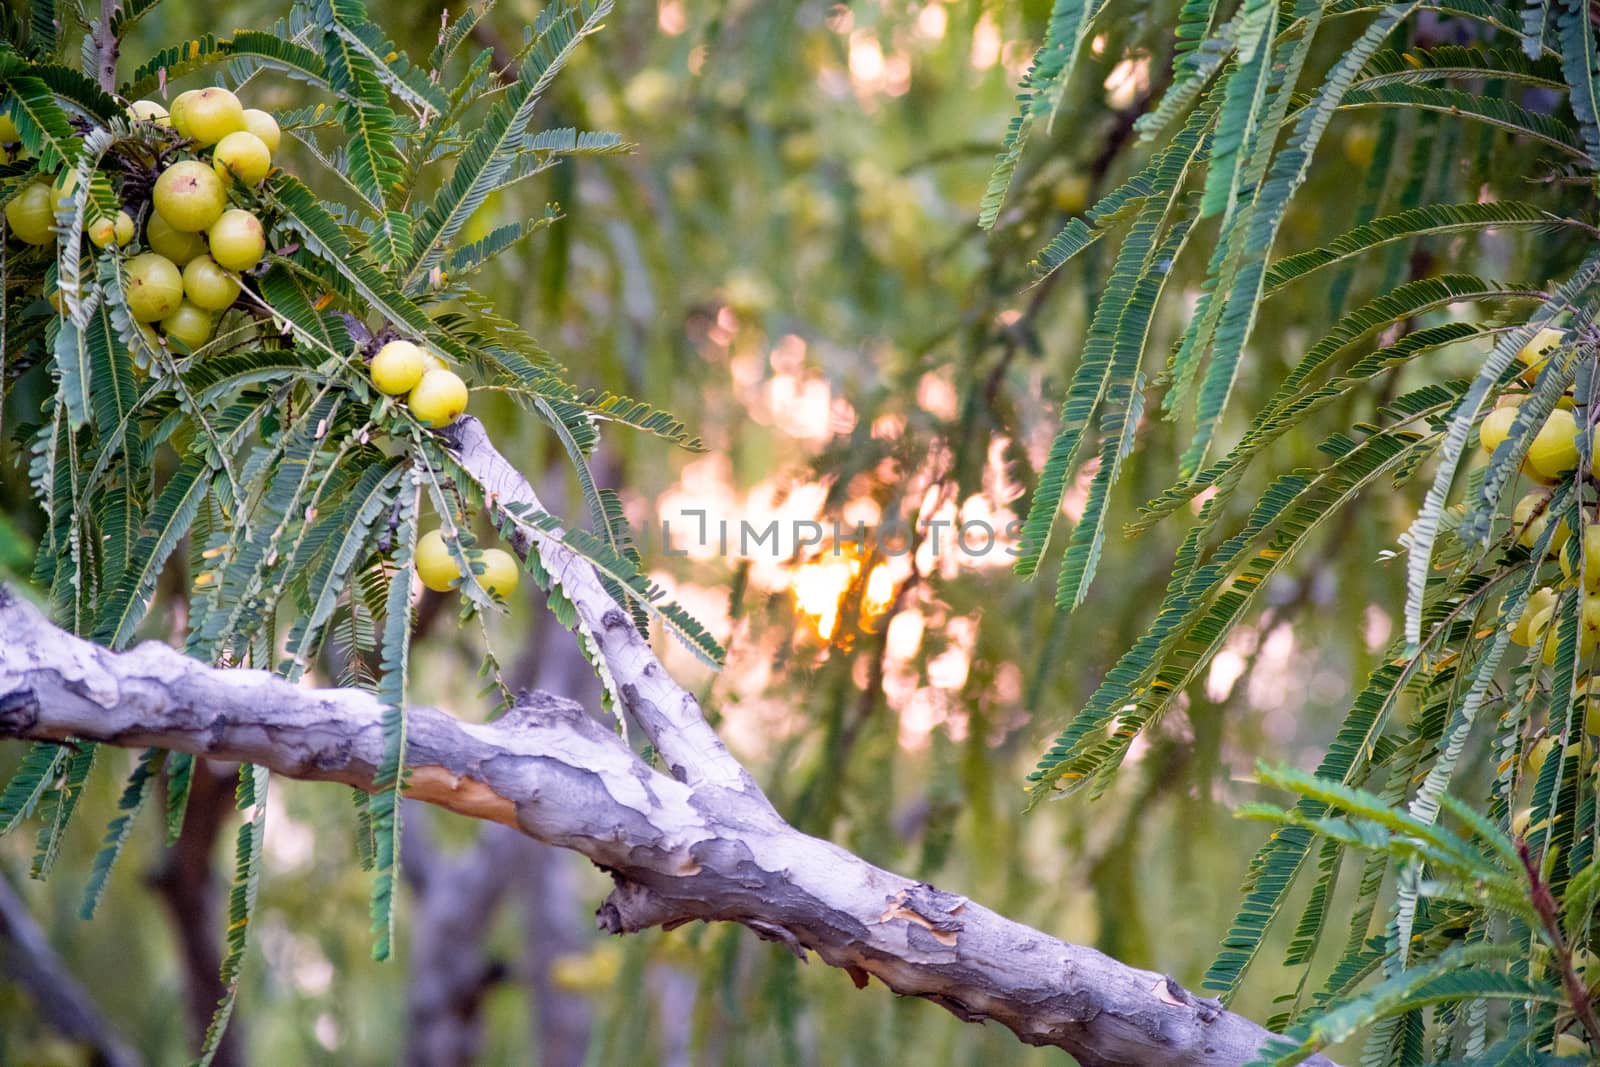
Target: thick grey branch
pixel 678 852
pixel 669 715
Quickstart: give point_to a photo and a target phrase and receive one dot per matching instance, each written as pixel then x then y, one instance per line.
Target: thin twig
pixel 1545 904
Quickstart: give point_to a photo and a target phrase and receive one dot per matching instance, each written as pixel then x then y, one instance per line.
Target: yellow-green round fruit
pixel 8 131
pixel 207 286
pixel 1591 559
pixel 435 565
pixel 434 361
pixel 190 196
pixel 210 115
pixel 1570 1045
pixel 62 188
pixel 1530 517
pixel 263 126
pixel 1554 450
pixel 1360 144
pixel 29 217
pixel 1589 618
pixel 1496 427
pixel 179 113
pixel 398 367
pixel 1536 353
pixel 150 111
pixel 189 324
pixel 177 245
pixel 439 398
pixel 1533 759
pixel 500 572
pixel 155 288
pixel 1536 629
pixel 1529 624
pixel 243 157
pixel 237 240
pixel 1520 821
pixel 152 340
pixel 104 231
pixel 1071 193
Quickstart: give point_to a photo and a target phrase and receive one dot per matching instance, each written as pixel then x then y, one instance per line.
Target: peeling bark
pixel 708 848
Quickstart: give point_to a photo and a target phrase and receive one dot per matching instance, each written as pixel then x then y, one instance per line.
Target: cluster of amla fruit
pixel 1551 456
pixel 195 244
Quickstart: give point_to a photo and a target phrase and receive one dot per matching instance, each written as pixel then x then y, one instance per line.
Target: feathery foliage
pixel 259 473
pixel 1443 919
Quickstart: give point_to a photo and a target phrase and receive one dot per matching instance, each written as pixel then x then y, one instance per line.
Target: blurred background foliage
pixel 789 261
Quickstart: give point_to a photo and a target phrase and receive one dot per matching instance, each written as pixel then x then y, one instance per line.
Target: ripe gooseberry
pixel 243 157
pixel 1536 353
pixel 176 245
pixel 1540 603
pixel 155 288
pixel 1554 450
pixel 189 196
pixel 189 324
pixel 436 567
pixel 61 190
pixel 103 231
pixel 1530 517
pixel 439 398
pixel 207 285
pixel 263 126
pixel 29 217
pixel 500 572
pixel 210 115
pixel 237 240
pixel 1591 559
pixel 149 111
pixel 8 131
pixel 1496 427
pixel 398 367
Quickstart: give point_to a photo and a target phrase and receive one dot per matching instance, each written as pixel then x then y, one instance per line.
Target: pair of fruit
pixel 439 571
pixel 31 214
pixel 1539 613
pixel 190 198
pixel 1553 452
pixel 436 395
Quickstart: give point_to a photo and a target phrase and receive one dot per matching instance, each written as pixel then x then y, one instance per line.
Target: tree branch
pixel 678 852
pixel 106 45
pixel 27 959
pixel 667 713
